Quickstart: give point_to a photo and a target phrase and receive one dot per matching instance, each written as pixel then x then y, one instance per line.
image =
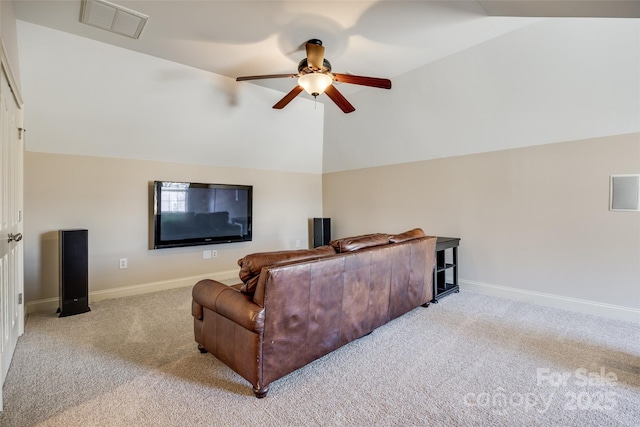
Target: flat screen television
pixel 191 214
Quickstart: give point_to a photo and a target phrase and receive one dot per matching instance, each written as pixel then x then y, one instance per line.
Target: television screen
pixel 190 214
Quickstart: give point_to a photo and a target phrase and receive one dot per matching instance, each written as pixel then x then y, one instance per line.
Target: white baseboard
pixel 550 300
pixel 51 304
pixel 611 311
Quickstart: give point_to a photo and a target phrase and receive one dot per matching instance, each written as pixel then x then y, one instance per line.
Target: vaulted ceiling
pixel 374 38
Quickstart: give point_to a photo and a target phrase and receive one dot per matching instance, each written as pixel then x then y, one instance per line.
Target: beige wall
pixel 533 219
pixel 110 197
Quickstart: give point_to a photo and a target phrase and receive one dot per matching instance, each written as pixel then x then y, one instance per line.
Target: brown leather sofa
pixel 294 307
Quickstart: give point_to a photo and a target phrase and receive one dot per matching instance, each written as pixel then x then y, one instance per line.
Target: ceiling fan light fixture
pixel 315 77
pixel 315 83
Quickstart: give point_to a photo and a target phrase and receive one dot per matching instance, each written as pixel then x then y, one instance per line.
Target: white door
pixel 11 253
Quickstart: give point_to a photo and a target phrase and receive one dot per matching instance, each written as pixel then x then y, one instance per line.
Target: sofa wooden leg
pixel 202 349
pixel 261 392
pixel 426 304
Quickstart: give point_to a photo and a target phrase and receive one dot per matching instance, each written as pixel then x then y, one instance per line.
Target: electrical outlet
pixel 214 254
pixel 123 263
pixel 297 243
pixel 206 254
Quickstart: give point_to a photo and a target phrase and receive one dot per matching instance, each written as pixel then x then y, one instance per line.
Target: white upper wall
pixel 88 98
pixel 556 80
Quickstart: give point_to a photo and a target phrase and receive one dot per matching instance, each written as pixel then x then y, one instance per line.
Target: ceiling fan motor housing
pixel 303 67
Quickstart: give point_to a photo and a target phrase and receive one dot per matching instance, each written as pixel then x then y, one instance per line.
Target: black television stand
pixel 441 287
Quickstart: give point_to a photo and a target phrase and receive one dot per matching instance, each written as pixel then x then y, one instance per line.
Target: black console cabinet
pixel 441 287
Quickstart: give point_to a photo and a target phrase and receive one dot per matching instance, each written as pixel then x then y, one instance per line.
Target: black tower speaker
pixel 74 272
pixel 321 231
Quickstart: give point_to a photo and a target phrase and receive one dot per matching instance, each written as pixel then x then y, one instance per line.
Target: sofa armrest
pixel 227 302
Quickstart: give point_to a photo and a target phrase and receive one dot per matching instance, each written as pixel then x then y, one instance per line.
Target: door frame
pixel 5 68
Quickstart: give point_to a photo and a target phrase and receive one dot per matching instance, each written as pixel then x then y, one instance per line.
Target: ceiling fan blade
pixel 340 100
pixel 266 76
pixel 315 54
pixel 288 97
pixel 364 81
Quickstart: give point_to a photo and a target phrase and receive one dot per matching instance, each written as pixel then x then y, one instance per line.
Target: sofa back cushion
pixel 407 235
pixel 350 244
pixel 251 265
pixel 312 308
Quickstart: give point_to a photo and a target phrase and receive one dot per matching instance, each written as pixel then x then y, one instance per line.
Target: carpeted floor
pixel 471 360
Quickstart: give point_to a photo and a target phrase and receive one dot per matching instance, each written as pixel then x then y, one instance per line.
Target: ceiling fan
pixel 315 76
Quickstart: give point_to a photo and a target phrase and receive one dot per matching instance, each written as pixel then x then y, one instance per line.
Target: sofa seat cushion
pixel 251 265
pixel 407 235
pixel 350 244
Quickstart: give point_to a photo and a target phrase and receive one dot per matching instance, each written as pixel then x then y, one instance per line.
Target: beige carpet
pixel 470 360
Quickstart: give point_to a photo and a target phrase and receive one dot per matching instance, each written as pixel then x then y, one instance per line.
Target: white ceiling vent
pixel 112 17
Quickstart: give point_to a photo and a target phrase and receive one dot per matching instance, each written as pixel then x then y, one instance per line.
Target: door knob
pixel 15 237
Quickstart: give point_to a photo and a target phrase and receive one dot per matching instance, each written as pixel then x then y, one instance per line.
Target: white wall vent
pixel 112 17
pixel 624 193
